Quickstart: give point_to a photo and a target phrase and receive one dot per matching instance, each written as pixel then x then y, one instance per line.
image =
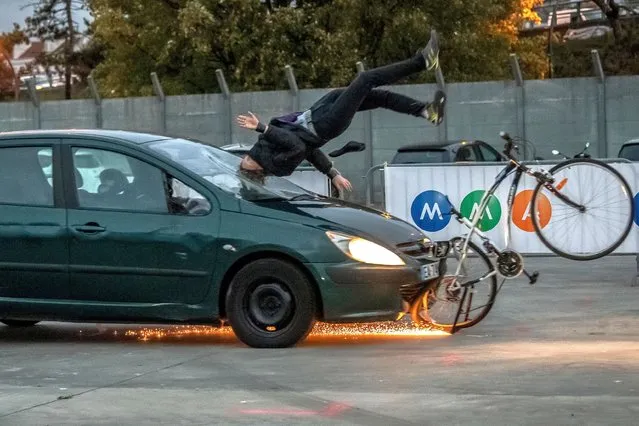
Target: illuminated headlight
pixel 364 251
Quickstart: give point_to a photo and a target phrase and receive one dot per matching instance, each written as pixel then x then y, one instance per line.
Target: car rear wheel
pixel 271 304
pixel 19 323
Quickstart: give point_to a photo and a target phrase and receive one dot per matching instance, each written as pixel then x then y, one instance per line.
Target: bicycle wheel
pixel 437 306
pixel 599 225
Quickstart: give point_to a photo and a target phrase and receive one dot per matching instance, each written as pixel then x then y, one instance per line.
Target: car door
pixel 33 228
pixel 132 239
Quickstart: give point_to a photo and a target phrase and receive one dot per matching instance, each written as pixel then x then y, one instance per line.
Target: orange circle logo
pixel 521 210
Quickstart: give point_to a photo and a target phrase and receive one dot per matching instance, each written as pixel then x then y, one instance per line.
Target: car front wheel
pixel 271 304
pixel 19 323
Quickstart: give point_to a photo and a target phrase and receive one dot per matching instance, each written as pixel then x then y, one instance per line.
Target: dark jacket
pixel 285 145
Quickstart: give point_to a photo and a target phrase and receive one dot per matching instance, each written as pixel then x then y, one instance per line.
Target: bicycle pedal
pixel 533 277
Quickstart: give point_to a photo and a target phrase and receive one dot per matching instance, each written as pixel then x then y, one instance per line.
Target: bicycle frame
pixel 518 169
pixel 512 167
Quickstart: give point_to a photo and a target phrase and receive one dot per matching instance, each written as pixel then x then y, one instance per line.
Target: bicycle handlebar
pixel 509 143
pixel 505 136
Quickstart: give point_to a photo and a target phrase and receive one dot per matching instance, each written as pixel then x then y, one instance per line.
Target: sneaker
pixel 431 51
pixel 435 111
pixel 352 146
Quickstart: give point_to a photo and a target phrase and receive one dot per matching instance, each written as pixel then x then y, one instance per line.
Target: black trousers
pixel 333 113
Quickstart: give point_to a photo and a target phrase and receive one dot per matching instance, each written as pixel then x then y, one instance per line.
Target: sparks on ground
pixel 376 329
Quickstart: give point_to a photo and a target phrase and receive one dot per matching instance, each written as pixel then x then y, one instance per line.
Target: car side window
pixel 110 180
pixel 184 200
pixel 488 153
pixel 26 176
pixel 466 153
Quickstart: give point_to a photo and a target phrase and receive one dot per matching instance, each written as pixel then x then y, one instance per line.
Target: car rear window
pixel 422 156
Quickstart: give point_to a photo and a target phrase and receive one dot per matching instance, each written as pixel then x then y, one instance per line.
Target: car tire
pixel 19 323
pixel 271 304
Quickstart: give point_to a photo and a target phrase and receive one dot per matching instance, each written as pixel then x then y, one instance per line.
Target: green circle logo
pixel 470 207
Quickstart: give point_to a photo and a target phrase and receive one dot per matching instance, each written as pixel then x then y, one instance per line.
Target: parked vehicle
pixel 171 233
pixel 447 152
pixel 630 150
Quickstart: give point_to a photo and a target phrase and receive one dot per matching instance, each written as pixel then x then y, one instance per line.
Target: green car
pixel 165 230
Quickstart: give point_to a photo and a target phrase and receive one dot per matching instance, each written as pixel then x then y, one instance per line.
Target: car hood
pixel 340 216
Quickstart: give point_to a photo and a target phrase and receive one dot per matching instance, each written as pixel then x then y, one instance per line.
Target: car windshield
pixel 422 156
pixel 222 169
pixel 630 152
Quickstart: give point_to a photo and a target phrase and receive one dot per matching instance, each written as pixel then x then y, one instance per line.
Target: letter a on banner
pixel 487 213
pixel 470 207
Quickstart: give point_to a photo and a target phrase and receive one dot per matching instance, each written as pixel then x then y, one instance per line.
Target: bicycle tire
pixel 538 227
pixel 424 295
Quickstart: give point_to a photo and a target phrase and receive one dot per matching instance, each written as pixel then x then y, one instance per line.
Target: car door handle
pixel 89 228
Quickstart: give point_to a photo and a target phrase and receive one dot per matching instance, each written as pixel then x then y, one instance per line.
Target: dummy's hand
pixel 248 122
pixel 342 183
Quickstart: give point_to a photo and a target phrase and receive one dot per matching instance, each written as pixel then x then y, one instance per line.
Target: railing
pixel 555 14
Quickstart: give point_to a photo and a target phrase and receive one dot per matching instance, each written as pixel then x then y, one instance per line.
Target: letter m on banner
pixel 427 210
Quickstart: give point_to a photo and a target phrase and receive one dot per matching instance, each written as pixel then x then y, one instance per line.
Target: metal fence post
pixel 159 92
pixel 292 84
pixel 35 101
pixel 553 24
pixel 226 92
pixel 602 130
pixel 520 98
pixel 368 127
pixel 442 130
pixel 97 100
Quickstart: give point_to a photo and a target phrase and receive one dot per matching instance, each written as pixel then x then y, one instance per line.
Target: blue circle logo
pixel 431 211
pixel 637 208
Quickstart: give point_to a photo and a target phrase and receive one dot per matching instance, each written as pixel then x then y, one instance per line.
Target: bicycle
pixel 569 184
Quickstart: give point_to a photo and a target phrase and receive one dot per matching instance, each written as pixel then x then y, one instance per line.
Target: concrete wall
pixel 558 113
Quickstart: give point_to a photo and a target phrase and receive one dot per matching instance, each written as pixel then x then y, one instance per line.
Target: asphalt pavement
pixel 562 352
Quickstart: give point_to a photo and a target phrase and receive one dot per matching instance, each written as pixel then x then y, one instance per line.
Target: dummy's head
pixel 251 169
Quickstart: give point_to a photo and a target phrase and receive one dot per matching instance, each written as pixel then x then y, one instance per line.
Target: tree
pixel 184 41
pixel 617 53
pixel 53 20
pixel 476 37
pixel 9 80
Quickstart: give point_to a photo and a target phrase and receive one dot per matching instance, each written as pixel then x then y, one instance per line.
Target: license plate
pixel 429 271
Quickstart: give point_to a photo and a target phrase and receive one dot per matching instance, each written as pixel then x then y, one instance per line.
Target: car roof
pixel 135 138
pixel 631 142
pixel 436 145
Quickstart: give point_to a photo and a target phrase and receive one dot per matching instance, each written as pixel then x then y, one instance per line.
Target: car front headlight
pixel 364 251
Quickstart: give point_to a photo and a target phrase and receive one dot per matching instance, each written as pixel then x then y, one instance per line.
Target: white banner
pixel 417 194
pixel 312 180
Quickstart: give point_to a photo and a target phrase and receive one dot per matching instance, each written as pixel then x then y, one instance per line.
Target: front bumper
pixel 358 292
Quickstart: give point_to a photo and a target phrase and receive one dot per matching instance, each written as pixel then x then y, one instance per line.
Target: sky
pixel 11 13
